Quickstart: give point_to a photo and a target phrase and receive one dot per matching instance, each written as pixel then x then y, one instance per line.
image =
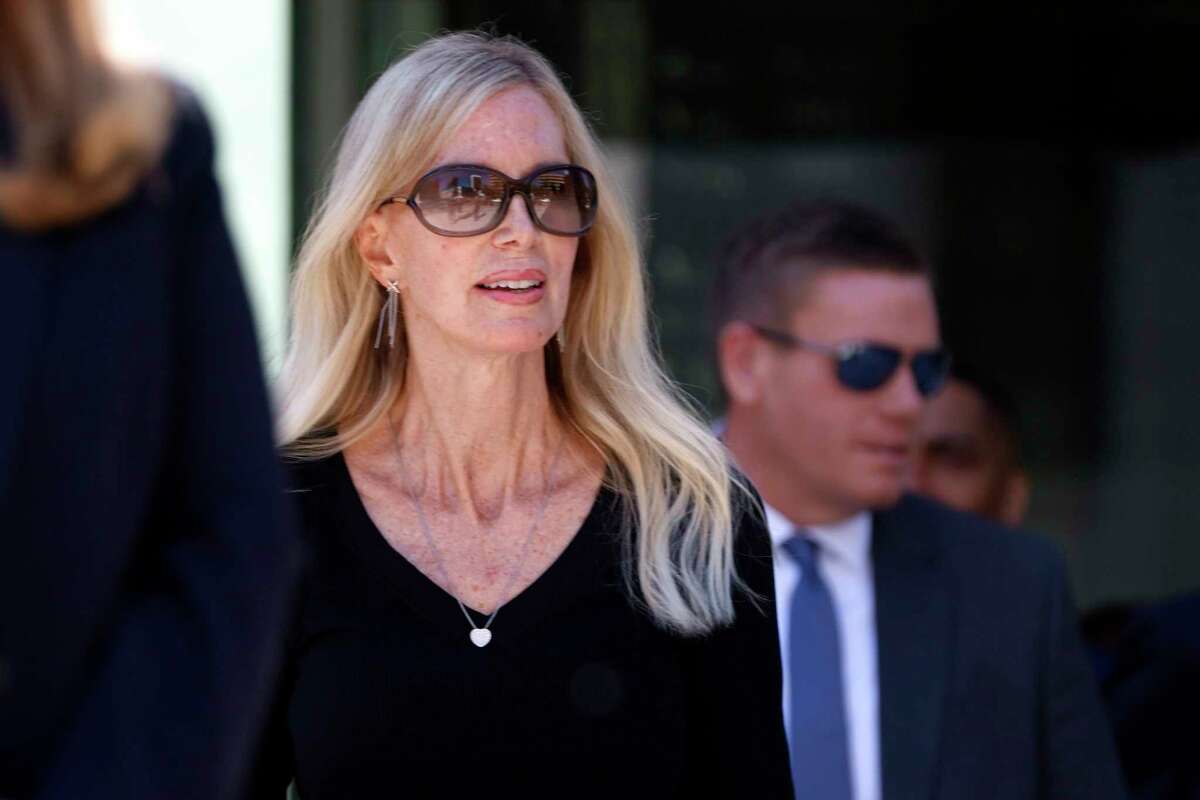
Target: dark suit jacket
pixel 1153 697
pixel 147 555
pixel 985 691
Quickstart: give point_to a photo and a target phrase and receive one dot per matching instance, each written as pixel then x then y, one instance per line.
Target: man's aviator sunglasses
pixel 467 200
pixel 863 366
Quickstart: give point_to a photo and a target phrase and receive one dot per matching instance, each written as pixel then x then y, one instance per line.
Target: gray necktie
pixel 820 759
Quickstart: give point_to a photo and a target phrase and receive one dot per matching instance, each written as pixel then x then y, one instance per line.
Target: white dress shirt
pixel 844 560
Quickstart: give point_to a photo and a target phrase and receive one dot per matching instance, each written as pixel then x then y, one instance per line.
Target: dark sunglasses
pixel 467 200
pixel 863 366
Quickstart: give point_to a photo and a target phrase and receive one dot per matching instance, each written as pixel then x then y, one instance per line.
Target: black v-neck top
pixel 578 694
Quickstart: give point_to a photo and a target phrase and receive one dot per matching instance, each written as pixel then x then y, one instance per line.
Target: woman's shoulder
pixel 306 475
pixel 188 160
pixel 751 538
pixel 311 472
pixel 191 144
pixel 749 511
pixel 313 487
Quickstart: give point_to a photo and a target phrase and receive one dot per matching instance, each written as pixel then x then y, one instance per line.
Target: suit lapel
pixel 913 625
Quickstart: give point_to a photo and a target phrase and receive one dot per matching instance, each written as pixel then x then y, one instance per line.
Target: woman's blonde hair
pixel 607 383
pixel 83 133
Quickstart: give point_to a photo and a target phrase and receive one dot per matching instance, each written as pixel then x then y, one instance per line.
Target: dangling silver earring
pixel 388 312
pixel 559 338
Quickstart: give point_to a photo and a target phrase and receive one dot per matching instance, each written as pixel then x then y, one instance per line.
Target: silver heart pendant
pixel 480 637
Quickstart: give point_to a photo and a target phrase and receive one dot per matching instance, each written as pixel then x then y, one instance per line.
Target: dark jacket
pixel 1153 697
pixel 147 555
pixel 985 691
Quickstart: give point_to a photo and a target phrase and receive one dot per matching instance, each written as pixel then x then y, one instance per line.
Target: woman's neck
pixel 472 433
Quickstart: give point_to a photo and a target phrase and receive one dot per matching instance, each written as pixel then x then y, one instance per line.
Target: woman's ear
pixel 371 242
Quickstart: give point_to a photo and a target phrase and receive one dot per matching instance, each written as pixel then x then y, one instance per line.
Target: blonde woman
pixel 531 570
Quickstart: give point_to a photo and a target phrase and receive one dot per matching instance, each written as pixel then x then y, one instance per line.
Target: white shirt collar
pixel 848 541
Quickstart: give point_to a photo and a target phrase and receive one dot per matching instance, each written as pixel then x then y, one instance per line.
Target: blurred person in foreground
pixel 146 557
pixel 968 449
pixel 533 570
pixel 927 653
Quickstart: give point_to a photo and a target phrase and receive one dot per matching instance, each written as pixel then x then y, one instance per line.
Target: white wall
pixel 235 55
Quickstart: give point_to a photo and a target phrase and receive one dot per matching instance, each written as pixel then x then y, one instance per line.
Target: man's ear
pixel 742 362
pixel 370 239
pixel 1015 502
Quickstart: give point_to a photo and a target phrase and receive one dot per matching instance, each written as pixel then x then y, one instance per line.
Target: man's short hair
pixel 764 269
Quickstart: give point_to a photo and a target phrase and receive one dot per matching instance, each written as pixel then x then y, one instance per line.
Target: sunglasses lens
pixel 564 200
pixel 930 370
pixel 460 200
pixel 465 201
pixel 867 367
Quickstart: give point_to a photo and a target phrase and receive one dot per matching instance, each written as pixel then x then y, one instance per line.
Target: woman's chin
pixel 513 340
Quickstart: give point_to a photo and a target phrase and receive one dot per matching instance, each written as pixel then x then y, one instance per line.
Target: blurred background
pixel 1047 161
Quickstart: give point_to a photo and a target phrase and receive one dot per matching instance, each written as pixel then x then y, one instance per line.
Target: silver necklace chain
pixel 480 635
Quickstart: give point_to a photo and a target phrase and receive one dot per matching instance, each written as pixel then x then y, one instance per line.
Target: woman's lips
pixel 514 274
pixel 515 297
pixel 522 286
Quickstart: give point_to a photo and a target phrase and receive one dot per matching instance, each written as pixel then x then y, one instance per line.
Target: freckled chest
pixel 479 554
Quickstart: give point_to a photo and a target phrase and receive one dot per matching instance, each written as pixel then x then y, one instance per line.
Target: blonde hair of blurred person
pixel 82 132
pixel 606 386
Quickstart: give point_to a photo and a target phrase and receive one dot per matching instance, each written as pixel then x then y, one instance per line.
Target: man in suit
pixel 968 450
pixel 927 653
